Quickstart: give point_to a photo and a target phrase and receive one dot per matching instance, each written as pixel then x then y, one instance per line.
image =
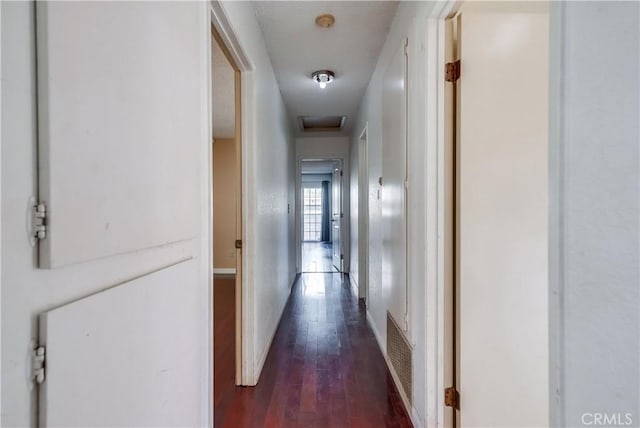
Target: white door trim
pixel 435 203
pixel 221 22
pixel 363 214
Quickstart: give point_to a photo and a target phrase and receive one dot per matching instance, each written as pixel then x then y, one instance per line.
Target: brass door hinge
pixel 238 243
pixel 452 398
pixel 452 71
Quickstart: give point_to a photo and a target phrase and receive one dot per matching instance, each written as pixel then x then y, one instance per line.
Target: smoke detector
pixel 325 21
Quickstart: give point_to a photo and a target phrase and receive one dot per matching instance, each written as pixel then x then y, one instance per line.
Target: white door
pixel 336 218
pixel 502 207
pixel 123 126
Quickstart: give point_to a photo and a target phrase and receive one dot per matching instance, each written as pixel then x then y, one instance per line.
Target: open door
pixel 336 218
pixel 239 231
pixel 228 111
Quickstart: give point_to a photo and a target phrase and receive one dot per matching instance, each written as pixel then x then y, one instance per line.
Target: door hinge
pixel 406 47
pixel 39 364
pixel 452 71
pixel 341 172
pixel 238 243
pixel 341 256
pixel 452 398
pixel 39 221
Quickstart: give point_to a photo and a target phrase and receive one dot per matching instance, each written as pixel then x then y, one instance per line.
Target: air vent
pixel 322 123
pixel 400 355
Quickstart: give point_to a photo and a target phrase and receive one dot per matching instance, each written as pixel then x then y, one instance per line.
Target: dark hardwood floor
pixel 324 368
pixel 224 345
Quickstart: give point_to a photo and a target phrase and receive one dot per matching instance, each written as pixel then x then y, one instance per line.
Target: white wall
pixel 322 147
pixel 26 290
pixel 593 208
pixel 409 22
pixel 594 211
pixel 269 153
pixel 326 148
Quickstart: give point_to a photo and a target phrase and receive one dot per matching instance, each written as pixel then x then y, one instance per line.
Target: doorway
pixel 227 223
pixel 495 214
pixel 321 218
pixel 363 215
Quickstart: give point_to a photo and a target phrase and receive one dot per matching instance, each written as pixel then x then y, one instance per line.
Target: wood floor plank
pixel 324 368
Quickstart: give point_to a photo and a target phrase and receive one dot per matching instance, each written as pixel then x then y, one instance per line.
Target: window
pixel 312 227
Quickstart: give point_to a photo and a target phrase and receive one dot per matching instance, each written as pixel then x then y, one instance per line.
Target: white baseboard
pixel 354 287
pixel 224 271
pixel 411 411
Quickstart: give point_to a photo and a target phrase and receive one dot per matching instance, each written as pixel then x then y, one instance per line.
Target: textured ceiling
pixel 223 94
pixel 298 47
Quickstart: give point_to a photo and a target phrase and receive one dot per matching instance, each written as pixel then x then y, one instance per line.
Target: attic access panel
pixel 322 123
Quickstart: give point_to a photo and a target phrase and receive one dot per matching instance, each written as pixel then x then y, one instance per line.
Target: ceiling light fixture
pixel 322 77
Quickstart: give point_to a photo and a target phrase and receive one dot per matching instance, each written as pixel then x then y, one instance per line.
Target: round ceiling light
pixel 323 77
pixel 325 21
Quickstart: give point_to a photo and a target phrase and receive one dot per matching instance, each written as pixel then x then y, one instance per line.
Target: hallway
pixel 324 368
pixel 316 257
pixel 470 169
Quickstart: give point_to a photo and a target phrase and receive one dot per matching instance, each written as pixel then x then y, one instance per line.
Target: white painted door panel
pixel 394 173
pixel 119 103
pixel 503 200
pixel 122 357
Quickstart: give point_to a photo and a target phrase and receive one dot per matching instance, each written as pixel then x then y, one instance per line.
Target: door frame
pixel 299 207
pixel 244 80
pixel 237 138
pixel 435 196
pixel 363 214
pixel 437 294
